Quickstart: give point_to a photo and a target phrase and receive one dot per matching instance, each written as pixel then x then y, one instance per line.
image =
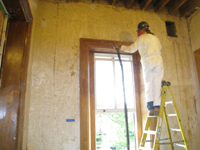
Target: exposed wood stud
pixel 188 7
pixel 161 4
pixel 176 5
pixel 144 4
pixel 114 2
pixel 129 3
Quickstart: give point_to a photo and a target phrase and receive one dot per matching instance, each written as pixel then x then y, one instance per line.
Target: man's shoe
pixel 156 111
pixel 151 112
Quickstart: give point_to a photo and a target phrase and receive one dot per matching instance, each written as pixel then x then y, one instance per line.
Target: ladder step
pixel 153 140
pixel 170 114
pixel 147 140
pixel 145 148
pixel 152 116
pixel 181 145
pixel 174 129
pixel 169 102
pixel 165 143
pixel 149 132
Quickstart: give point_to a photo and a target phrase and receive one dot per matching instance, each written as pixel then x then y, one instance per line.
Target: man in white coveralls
pixel 149 48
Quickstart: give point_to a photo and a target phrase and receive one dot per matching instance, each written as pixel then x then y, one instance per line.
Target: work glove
pixel 123 48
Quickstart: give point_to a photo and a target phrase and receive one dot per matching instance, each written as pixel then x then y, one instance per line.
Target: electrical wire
pixel 125 106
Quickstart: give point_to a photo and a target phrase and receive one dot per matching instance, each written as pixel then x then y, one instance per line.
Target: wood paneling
pixel 23 83
pixel 10 85
pixel 13 85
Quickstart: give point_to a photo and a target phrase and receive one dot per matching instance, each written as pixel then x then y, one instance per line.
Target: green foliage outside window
pixel 112 130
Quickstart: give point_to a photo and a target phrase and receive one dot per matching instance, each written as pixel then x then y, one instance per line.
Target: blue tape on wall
pixel 70 120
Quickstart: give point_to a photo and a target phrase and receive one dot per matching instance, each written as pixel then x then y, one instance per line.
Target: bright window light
pixel 108 83
pixel 109 101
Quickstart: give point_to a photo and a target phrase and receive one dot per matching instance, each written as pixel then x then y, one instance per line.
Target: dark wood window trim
pixel 197 62
pixel 87 106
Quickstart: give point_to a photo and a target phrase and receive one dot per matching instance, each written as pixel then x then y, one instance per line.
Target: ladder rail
pixel 160 118
pixel 168 132
pixel 144 135
pixel 178 118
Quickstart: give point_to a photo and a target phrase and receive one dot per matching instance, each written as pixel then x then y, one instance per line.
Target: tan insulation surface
pixel 54 92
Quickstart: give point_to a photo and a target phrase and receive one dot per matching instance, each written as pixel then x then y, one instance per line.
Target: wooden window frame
pixel 87 104
pixel 197 62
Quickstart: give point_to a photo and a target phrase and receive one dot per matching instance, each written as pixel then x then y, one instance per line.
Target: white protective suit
pixel 152 64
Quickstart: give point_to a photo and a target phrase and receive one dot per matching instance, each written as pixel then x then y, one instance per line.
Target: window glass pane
pixel 104 85
pixel 111 131
pixel 128 76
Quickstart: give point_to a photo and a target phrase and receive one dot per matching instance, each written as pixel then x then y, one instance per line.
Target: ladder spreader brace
pixel 162 114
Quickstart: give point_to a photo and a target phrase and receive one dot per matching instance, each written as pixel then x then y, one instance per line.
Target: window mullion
pixel 113 60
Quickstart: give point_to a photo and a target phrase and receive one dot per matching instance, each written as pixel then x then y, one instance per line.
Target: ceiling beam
pixel 114 2
pixel 176 5
pixel 144 4
pixel 129 3
pixel 161 4
pixel 188 7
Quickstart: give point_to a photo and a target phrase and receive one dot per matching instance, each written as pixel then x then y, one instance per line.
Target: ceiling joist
pixel 188 7
pixel 161 4
pixel 144 4
pixel 114 2
pixel 129 4
pixel 176 5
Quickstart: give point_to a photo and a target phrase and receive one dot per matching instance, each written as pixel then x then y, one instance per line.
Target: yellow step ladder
pixel 157 132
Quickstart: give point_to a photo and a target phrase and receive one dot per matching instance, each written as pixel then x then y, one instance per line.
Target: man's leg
pixel 148 82
pixel 157 83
